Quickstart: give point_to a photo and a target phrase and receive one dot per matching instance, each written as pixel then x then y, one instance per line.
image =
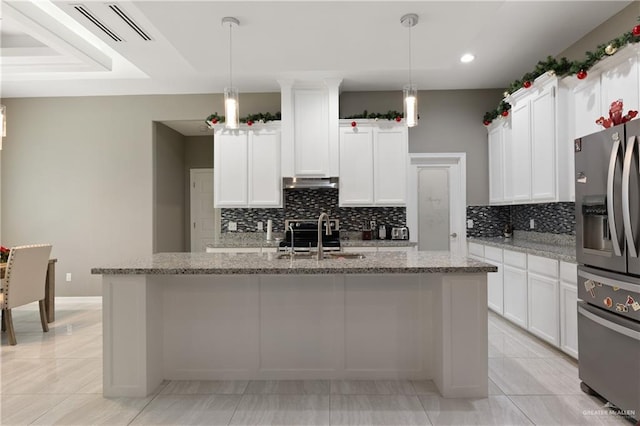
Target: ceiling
pixel 49 48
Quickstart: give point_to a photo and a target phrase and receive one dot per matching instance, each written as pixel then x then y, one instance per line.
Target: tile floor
pixel 56 378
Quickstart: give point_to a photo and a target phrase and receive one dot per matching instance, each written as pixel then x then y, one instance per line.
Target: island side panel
pixel 132 336
pixel 461 360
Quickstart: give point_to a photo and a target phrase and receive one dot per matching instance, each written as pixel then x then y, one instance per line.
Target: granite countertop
pixel 557 251
pixel 268 263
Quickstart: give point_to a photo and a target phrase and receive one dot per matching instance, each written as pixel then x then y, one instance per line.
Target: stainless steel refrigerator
pixel 607 172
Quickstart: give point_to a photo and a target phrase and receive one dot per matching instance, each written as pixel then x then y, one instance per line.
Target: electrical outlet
pixel 532 224
pixel 259 226
pixel 233 226
pixel 68 277
pixel 470 224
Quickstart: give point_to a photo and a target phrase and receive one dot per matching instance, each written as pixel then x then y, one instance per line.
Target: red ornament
pixel 354 124
pixel 505 113
pixel 214 121
pixel 526 84
pixel 636 31
pixel 486 122
pixel 398 119
pixel 249 123
pixel 582 74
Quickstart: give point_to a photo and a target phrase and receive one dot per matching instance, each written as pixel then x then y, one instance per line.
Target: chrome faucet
pixel 328 232
pixel 292 246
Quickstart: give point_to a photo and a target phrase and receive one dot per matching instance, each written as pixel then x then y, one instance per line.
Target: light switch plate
pixel 233 226
pixel 260 226
pixel 532 223
pixel 469 223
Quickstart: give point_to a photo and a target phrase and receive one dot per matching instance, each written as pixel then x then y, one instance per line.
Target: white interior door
pixel 436 201
pixel 205 220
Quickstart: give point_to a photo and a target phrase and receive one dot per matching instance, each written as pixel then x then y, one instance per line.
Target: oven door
pixel 609 361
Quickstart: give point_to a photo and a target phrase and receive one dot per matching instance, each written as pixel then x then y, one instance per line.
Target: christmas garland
pixel 389 115
pixel 249 120
pixel 564 67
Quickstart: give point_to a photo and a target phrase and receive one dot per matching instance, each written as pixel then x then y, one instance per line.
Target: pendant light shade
pixel 231 102
pixel 410 91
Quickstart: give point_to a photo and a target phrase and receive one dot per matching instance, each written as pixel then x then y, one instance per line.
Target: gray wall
pixel 77 172
pixel 450 121
pixel 618 24
pixel 169 182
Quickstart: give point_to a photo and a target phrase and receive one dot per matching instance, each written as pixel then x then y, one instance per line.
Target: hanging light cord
pixel 230 50
pixel 410 65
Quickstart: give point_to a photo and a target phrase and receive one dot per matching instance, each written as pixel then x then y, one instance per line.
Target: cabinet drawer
pixel 476 249
pixel 515 259
pixel 569 273
pixel 543 266
pixel 493 253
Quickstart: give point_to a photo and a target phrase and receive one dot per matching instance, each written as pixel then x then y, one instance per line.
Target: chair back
pixel 25 275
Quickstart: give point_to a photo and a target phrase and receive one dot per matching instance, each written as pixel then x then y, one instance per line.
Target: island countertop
pixel 268 263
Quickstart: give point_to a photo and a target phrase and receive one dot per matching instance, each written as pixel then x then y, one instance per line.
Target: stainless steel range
pixel 302 235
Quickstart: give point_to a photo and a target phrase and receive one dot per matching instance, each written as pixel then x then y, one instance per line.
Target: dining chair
pixel 23 283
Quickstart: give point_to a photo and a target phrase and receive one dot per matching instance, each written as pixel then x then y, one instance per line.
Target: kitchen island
pixel 212 316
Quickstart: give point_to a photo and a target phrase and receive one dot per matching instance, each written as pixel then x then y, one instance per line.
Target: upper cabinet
pixel 246 169
pixel 532 161
pixel 373 163
pixel 310 128
pixel 613 78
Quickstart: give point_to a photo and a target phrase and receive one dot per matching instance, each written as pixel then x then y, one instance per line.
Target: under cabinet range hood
pixel 309 183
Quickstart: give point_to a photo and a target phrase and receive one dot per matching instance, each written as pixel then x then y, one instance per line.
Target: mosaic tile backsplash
pixel 555 218
pixel 308 204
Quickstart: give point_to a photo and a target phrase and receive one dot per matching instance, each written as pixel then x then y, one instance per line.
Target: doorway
pixel 205 220
pixel 436 204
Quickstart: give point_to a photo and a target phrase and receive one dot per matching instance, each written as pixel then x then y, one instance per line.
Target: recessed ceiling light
pixel 466 58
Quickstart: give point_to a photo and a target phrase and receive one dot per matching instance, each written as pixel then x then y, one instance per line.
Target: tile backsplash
pixel 555 218
pixel 308 204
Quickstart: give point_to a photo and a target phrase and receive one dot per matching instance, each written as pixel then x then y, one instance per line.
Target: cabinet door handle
pixel 615 153
pixel 454 235
pixel 626 212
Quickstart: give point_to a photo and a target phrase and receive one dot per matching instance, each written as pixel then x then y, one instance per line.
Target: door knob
pixel 453 235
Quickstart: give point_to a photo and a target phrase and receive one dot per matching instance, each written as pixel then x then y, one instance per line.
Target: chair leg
pixel 43 316
pixel 4 325
pixel 9 323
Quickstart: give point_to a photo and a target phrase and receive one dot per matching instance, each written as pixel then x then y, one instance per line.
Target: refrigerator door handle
pixel 626 212
pixel 613 230
pixel 610 325
pixel 608 281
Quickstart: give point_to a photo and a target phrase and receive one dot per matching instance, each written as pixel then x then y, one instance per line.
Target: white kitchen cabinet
pixel 390 156
pixel 515 287
pixel 621 81
pixel 493 256
pixel 543 298
pixel 586 107
pixel 230 168
pixel 310 128
pixel 247 167
pixel 569 308
pixel 499 138
pixel 543 145
pixel 521 152
pixel 356 166
pixel 476 250
pixel 373 164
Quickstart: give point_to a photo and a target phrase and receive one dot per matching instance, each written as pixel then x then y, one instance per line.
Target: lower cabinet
pixel 537 293
pixel 515 287
pixel 569 308
pixel 495 299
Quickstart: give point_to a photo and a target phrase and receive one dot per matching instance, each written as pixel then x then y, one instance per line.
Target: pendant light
pixel 3 123
pixel 410 91
pixel 231 106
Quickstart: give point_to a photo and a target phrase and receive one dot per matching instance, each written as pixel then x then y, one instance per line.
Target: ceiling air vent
pixel 95 21
pixel 130 22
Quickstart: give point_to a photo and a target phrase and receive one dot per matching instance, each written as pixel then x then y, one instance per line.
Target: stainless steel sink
pixel 296 256
pixel 341 255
